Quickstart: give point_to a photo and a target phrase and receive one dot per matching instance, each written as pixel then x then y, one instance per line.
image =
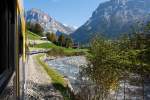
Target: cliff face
pixel 113 18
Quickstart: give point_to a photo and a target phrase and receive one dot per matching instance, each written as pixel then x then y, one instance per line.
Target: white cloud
pixel 75 27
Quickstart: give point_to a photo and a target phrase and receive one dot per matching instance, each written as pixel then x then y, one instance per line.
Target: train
pixel 12 43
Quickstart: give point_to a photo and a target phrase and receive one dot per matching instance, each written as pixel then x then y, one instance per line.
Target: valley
pixel 106 58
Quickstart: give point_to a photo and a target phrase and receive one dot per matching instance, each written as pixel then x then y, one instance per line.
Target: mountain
pixel 113 18
pixel 47 22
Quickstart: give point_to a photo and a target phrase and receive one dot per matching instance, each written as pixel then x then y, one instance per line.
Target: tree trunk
pixel 124 89
pixel 143 97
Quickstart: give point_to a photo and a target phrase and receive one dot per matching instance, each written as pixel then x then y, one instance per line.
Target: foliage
pixel 59 51
pixel 36 28
pixel 147 28
pixel 145 56
pixel 61 40
pixel 113 60
pixel 28 25
pixel 104 68
pixel 33 36
pixel 68 42
pixel 52 37
pixel 56 52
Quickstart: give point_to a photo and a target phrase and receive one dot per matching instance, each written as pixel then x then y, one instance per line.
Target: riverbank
pixel 70 67
pixel 85 89
pixel 38 84
pixel 58 80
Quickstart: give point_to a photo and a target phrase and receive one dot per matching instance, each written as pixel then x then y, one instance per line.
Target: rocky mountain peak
pixel 47 22
pixel 113 18
pixel 120 1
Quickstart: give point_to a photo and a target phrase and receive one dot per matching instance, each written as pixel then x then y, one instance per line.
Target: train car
pixel 12 44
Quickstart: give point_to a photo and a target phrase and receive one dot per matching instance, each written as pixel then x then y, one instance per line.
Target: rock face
pixel 113 18
pixel 48 23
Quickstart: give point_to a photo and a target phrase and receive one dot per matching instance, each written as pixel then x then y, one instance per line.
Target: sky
pixel 69 12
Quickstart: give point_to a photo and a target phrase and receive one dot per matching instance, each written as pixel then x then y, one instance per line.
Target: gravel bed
pixel 38 83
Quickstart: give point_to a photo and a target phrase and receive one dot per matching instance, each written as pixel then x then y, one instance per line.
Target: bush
pixel 56 52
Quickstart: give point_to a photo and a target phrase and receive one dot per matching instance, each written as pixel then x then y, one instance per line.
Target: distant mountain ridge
pixel 47 22
pixel 113 18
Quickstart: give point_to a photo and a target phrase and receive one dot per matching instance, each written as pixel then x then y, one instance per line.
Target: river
pixel 70 68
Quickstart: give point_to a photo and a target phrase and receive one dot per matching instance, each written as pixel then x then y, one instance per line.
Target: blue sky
pixel 69 12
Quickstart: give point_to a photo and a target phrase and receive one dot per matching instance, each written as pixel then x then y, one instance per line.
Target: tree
pixel 68 42
pixel 104 68
pixel 112 61
pixel 147 28
pixel 61 40
pixel 147 31
pixel 28 25
pixel 37 28
pixel 52 37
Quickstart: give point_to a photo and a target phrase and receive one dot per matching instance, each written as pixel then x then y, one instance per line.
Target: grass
pixel 60 51
pixel 45 45
pixel 33 36
pixel 57 79
pixel 48 45
pixel 34 49
pixel 63 52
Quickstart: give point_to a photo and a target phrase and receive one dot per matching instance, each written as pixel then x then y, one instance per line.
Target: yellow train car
pixel 12 45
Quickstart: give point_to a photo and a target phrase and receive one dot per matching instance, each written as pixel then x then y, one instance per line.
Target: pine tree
pixel 37 29
pixel 61 40
pixel 52 37
pixel 68 42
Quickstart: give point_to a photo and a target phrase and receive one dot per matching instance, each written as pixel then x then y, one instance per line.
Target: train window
pixel 7 41
pixel 12 26
pixel 3 37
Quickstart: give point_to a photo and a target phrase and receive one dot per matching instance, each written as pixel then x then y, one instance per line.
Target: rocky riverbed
pixel 70 68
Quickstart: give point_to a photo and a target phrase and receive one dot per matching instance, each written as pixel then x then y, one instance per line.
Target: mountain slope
pixel 113 18
pixel 48 23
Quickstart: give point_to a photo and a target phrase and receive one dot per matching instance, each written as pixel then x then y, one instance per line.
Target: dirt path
pixel 39 85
